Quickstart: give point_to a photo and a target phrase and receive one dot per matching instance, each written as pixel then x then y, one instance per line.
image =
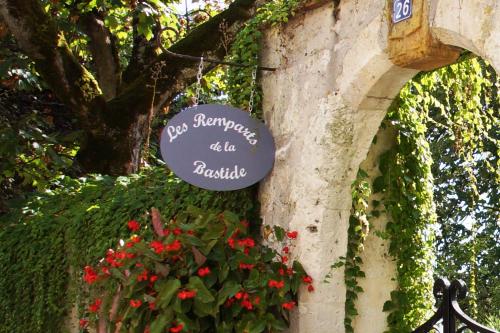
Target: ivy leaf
pixel 378 184
pixel 388 306
pixel 279 232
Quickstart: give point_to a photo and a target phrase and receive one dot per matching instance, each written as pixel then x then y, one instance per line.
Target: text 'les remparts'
pixel 201 120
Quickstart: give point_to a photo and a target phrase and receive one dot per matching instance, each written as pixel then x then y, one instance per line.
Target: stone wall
pixel 324 105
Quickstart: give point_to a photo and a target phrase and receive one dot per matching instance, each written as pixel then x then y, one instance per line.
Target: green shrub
pixel 48 238
pixel 199 272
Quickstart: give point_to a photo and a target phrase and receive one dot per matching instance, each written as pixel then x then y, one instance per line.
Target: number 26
pixel 402 9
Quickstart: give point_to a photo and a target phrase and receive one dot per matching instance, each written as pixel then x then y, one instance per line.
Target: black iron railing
pixel 449 318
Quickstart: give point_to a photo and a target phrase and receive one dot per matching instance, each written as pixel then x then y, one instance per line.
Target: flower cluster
pixel 196 266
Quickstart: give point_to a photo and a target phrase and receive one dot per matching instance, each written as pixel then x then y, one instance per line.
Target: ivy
pixel 446 116
pixel 357 233
pixel 246 47
pixel 60 231
pixel 407 185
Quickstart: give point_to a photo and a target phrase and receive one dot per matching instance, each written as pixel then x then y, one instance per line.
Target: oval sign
pixel 217 147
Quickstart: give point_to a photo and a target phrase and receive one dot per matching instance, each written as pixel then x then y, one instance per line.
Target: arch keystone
pixel 411 43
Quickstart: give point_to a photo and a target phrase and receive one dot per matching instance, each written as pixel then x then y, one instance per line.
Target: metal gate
pixel 449 318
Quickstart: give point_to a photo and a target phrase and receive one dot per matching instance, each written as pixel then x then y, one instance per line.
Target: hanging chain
pixel 198 82
pixel 252 92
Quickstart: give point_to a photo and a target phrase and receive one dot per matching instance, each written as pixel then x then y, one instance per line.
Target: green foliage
pixel 46 240
pixel 37 142
pixel 406 183
pixel 246 47
pixel 357 233
pixel 201 272
pixel 464 132
pixel 121 18
pixel 449 116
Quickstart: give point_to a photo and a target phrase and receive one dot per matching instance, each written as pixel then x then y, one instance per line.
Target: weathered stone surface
pixel 412 45
pixel 324 104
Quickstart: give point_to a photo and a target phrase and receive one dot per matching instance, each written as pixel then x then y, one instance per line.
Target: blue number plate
pixel 401 10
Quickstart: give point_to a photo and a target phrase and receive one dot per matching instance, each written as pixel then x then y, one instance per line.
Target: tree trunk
pixel 115 145
pixel 116 152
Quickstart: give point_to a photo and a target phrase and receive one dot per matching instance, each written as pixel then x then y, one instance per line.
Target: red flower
pixel 135 303
pixel 310 288
pixel 246 266
pixel 186 294
pixel 247 242
pixel 229 302
pixel 166 232
pixel 157 246
pixel 94 307
pixel 247 304
pixel 152 306
pixel 284 259
pixel 292 234
pixel 307 279
pixel 111 257
pixel 281 271
pixel 135 239
pixel 174 246
pixel 256 300
pixel 288 305
pixel 289 271
pixel 276 284
pixel 90 275
pixel 120 255
pixel 105 270
pixel 177 231
pixel 190 232
pixel 203 271
pixel 176 329
pixel 286 249
pixel 143 276
pixel 230 242
pixel 133 225
pixel 241 295
pixel 153 278
pixel 83 323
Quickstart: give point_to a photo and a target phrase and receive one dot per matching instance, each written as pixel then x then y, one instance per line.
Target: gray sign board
pixel 217 147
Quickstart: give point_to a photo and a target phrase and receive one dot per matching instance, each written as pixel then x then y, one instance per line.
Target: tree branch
pixel 104 54
pixel 39 38
pixel 206 39
pixel 143 54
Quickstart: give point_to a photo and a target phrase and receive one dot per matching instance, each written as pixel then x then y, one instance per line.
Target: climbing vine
pixel 406 184
pixel 246 47
pixel 446 116
pixel 359 227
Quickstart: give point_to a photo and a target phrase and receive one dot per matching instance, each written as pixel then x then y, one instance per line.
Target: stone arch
pixel 324 105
